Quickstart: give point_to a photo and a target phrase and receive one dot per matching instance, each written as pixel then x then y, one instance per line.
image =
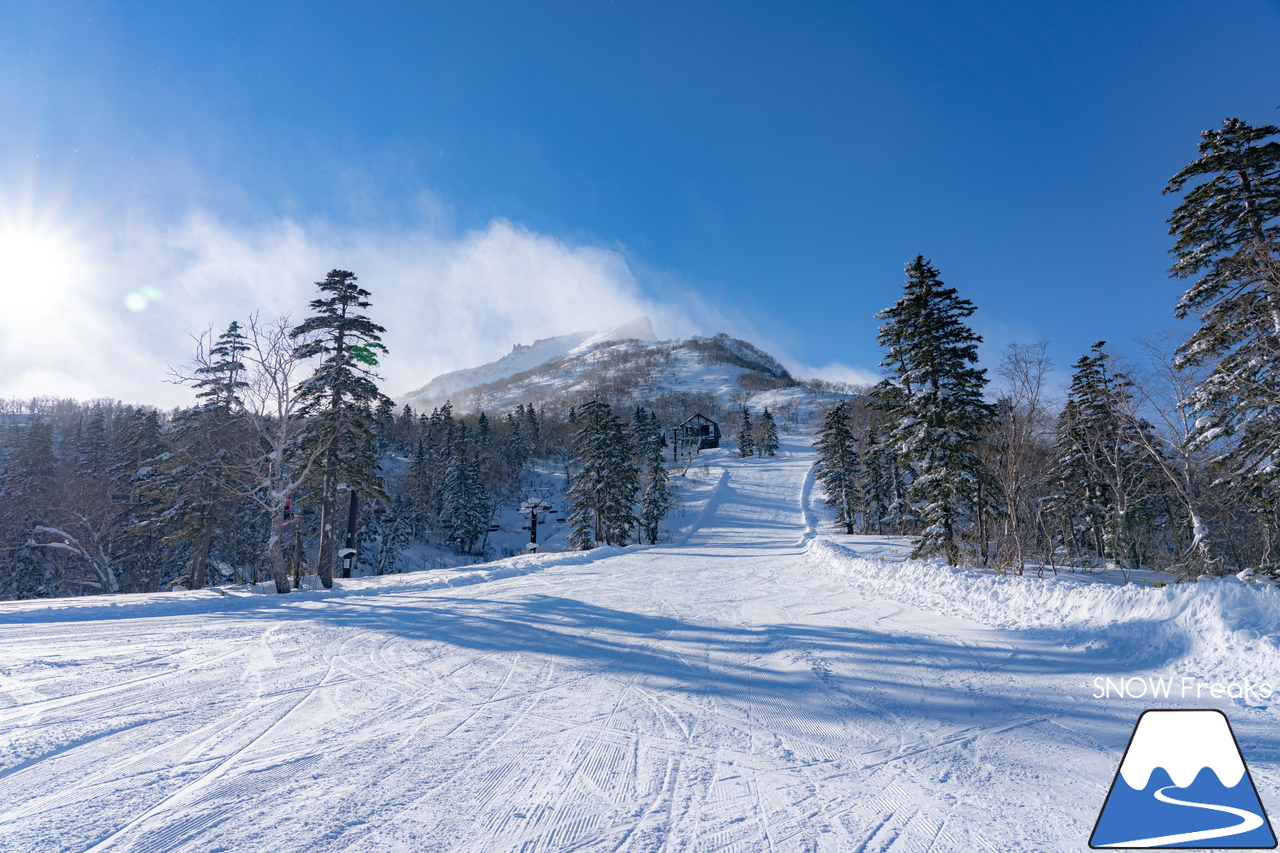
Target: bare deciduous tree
pixel 1018 446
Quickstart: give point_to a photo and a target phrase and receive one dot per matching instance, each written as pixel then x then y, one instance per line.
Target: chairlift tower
pixel 535 505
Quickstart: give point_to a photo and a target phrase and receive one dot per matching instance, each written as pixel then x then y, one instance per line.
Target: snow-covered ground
pixel 757 684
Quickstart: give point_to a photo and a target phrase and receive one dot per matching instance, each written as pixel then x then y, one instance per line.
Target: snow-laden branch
pixel 100 563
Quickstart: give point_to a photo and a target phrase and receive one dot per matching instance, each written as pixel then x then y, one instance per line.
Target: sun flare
pixel 51 316
pixel 42 267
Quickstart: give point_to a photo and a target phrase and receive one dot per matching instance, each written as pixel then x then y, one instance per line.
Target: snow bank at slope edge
pixel 1223 628
pixel 128 606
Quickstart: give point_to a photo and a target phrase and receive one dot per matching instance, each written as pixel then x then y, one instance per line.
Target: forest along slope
pixel 721 693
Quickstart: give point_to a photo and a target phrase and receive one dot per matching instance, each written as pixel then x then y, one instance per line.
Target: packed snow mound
pixel 525 357
pixel 1223 626
pixel 251 597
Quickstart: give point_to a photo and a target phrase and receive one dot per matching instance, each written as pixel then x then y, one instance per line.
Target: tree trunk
pixel 983 533
pixel 297 552
pixel 200 556
pixel 351 533
pixel 279 571
pixel 324 560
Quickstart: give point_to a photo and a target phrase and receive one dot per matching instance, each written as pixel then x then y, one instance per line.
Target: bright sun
pixel 49 317
pixel 43 270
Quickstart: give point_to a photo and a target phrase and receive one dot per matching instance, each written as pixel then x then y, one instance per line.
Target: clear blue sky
pixel 780 160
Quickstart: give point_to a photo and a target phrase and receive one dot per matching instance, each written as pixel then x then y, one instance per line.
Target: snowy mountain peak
pixel 525 357
pixel 623 366
pixel 1183 743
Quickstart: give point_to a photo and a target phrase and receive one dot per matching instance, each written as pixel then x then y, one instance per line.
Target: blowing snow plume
pixel 446 300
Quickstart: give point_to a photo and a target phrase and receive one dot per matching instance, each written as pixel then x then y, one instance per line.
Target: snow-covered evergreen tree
pixel 746 435
pixel 602 494
pixel 193 480
pixel 1227 232
pixel 406 428
pixel 146 560
pixel 515 448
pixel 655 491
pixel 877 484
pixel 931 353
pixel 532 430
pixel 385 425
pixel 338 402
pixel 838 466
pixel 465 514
pixel 766 435
pixel 419 487
pixel 31 489
pixel 1107 488
pixel 396 534
pixel 886 475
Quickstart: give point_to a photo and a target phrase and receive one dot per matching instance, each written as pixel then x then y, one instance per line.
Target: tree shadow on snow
pixel 814 672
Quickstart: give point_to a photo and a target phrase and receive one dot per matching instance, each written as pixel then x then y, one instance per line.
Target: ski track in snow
pixel 728 693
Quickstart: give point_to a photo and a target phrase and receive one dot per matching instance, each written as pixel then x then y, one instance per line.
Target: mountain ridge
pixel 621 365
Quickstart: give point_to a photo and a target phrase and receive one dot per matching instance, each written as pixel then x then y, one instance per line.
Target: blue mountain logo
pixel 1183 782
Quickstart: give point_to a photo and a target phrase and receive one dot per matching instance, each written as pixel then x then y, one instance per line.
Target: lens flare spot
pixel 135 302
pixel 152 294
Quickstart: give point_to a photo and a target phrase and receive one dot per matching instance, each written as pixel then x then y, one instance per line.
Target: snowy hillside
pixel 757 684
pixel 623 365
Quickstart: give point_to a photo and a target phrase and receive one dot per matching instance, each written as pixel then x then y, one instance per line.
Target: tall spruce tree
pixel 146 556
pixel 1080 499
pixel 887 475
pixel 192 481
pixel 1227 232
pixel 931 354
pixel 655 490
pixel 339 400
pixel 766 435
pixel 465 511
pixel 419 478
pixel 1107 488
pixel 395 534
pixel 406 429
pixel 746 435
pixel 35 568
pixel 602 495
pixel 837 466
pixel 879 483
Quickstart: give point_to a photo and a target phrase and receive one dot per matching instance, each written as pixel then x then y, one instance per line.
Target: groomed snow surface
pixel 758 684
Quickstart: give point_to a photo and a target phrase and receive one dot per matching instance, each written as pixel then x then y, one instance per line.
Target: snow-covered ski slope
pixel 752 686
